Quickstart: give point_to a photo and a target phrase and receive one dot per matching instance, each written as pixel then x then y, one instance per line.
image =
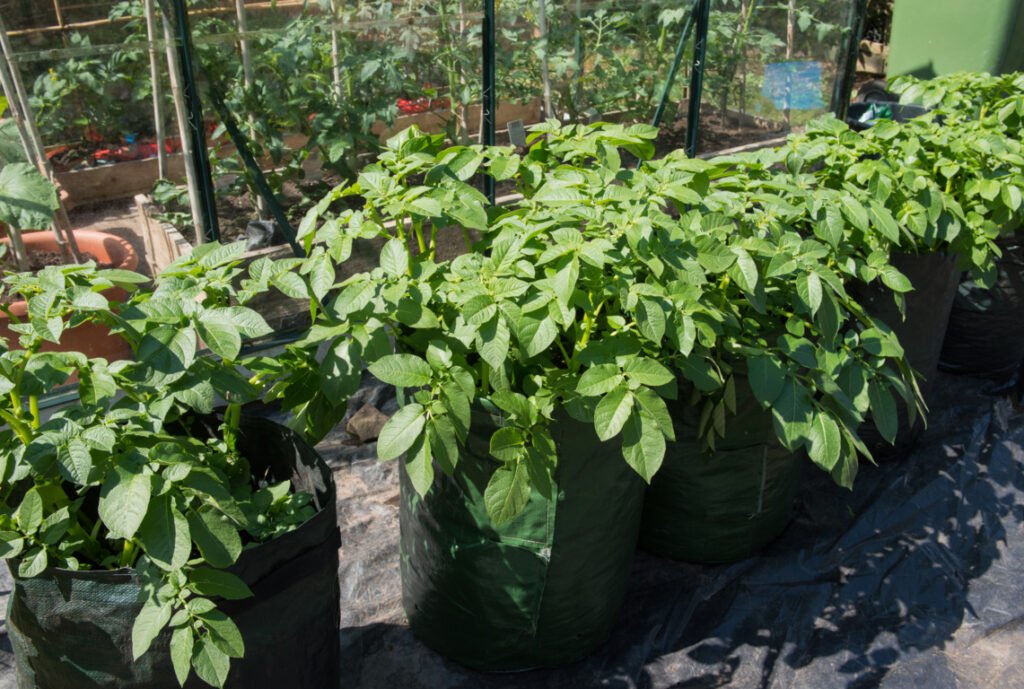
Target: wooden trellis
pixel 62 7
pixel 60 11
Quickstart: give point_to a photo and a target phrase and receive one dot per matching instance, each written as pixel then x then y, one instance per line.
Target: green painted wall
pixel 932 37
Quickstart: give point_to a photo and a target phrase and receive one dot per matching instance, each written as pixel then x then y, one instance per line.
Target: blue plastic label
pixel 794 85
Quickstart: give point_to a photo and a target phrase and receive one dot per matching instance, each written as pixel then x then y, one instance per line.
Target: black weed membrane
pixel 911 580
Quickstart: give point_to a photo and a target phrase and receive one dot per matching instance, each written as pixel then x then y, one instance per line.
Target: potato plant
pixel 124 478
pixel 598 294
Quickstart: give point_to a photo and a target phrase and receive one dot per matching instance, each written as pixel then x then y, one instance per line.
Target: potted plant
pixel 986 325
pixel 902 207
pixel 533 397
pixel 154 539
pixel 28 201
pixel 784 361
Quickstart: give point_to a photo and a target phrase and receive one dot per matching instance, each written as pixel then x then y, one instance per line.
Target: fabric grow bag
pixel 72 630
pixel 986 326
pixel 539 591
pixel 935 278
pixel 724 505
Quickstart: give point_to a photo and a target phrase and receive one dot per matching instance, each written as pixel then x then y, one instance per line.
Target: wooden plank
pixel 434 122
pixel 163 243
pixel 872 58
pixel 118 181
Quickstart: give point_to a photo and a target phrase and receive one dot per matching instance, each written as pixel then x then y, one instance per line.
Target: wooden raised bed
pixel 124 180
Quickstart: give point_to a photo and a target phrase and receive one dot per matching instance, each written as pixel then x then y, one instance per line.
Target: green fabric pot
pixel 72 630
pixel 726 505
pixel 542 590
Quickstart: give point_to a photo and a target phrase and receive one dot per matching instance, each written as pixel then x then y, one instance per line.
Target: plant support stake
pixel 488 105
pixel 545 75
pixel 700 46
pixel 158 102
pixel 196 124
pixel 684 38
pixel 258 179
pixel 247 81
pixel 14 111
pixel 34 148
pixel 848 59
pixel 181 114
pixel 335 51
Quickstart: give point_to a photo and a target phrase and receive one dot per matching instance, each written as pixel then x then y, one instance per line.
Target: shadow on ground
pixel 911 580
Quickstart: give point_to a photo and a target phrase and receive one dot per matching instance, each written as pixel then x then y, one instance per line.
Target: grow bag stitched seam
pixel 551 512
pixel 764 481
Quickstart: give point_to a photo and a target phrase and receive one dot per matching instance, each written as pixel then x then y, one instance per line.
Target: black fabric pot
pixel 540 591
pixel 724 505
pixel 986 326
pixel 72 630
pixel 935 278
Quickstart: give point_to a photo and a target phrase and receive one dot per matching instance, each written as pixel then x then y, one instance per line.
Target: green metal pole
pixel 256 174
pixel 674 69
pixel 700 47
pixel 848 58
pixel 487 115
pixel 197 133
pixel 579 58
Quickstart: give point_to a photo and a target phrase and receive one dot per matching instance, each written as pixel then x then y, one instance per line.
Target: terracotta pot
pixel 93 340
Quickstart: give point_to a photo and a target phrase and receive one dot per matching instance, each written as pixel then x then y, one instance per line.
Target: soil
pixel 42 259
pixel 237 210
pixel 234 212
pixel 717 133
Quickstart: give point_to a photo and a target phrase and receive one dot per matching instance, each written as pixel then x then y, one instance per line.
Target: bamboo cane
pixel 247 82
pixel 14 108
pixel 545 76
pixel 335 50
pixel 155 81
pixel 181 112
pixel 62 233
pixel 790 39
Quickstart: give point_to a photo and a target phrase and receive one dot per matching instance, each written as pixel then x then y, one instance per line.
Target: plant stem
pixel 33 405
pixel 588 324
pixel 127 553
pixel 565 354
pixel 23 432
pixel 420 242
pixel 232 415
